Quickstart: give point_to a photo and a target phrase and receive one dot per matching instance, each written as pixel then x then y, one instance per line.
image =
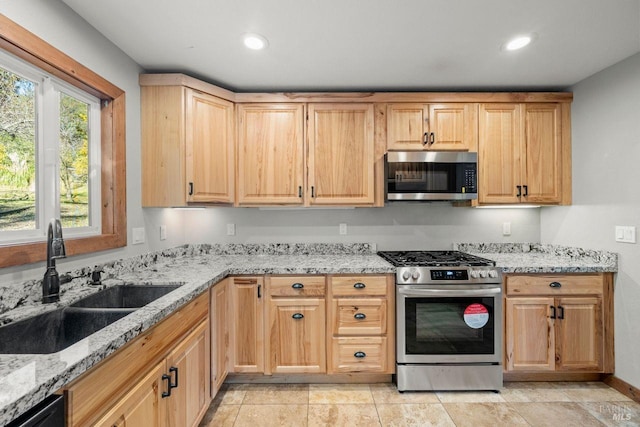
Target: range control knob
pixel 483 273
pixel 474 274
pixel 415 274
pixel 493 273
pixel 406 275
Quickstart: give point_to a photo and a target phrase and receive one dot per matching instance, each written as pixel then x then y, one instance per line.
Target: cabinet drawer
pixel 297 286
pixel 359 286
pixel 360 354
pixel 541 284
pixel 360 316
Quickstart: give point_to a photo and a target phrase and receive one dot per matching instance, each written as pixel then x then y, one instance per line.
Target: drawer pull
pixel 298 316
pixel 360 316
pixel 555 285
pixel 297 286
pixel 359 285
pixel 360 354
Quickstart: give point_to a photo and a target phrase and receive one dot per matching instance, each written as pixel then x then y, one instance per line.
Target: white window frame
pixel 47 102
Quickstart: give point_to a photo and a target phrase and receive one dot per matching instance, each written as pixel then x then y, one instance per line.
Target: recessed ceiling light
pixel 255 41
pixel 518 42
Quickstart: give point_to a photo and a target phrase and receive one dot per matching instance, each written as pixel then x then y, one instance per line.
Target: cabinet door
pixel 247 309
pixel 499 153
pixel 189 367
pixel 297 335
pixel 270 154
pixel 143 405
pixel 406 126
pixel 209 148
pixel 543 154
pixel 529 341
pixel 454 127
pixel 219 334
pixel 341 154
pixel 579 334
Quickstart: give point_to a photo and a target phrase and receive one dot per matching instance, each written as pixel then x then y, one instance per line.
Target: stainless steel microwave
pixel 431 175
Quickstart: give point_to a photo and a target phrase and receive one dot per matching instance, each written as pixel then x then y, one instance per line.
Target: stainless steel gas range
pixel 448 321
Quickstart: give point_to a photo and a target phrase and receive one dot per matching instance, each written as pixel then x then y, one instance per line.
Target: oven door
pixel 449 324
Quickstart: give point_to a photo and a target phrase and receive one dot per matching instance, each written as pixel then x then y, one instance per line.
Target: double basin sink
pixel 56 330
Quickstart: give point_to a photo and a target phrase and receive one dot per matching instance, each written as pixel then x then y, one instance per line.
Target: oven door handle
pixel 430 292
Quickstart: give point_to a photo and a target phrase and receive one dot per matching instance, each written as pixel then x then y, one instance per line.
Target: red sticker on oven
pixel 476 316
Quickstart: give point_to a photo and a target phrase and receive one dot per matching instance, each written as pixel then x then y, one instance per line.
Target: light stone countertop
pixel 27 379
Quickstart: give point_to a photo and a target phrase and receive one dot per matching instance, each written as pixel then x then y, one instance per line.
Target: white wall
pixel 55 23
pixel 606 192
pixel 399 226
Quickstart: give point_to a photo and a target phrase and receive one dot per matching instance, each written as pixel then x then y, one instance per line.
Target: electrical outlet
pixel 163 232
pixel 138 235
pixel 506 229
pixel 625 234
pixel 231 229
pixel 343 229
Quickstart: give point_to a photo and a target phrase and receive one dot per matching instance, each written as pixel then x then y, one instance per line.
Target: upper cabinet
pixel 341 154
pixel 270 154
pixel 524 154
pixel 187 147
pixel 418 127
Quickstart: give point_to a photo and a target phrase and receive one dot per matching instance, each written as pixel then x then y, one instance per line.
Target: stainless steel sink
pixel 56 330
pixel 125 296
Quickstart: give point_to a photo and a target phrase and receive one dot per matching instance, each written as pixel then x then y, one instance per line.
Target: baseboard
pixel 623 387
pixel 307 379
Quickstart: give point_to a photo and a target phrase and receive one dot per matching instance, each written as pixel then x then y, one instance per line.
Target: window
pixel 62 151
pixel 49 155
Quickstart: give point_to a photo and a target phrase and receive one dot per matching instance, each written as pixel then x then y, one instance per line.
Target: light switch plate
pixel 138 235
pixel 506 229
pixel 231 229
pixel 625 234
pixel 343 229
pixel 163 232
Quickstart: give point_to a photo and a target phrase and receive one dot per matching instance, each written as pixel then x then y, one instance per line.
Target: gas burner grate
pixel 433 259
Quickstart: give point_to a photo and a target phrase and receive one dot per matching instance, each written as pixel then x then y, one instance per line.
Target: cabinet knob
pixel 297 316
pixel 359 285
pixel 360 354
pixel 360 316
pixel 555 285
pixel 297 286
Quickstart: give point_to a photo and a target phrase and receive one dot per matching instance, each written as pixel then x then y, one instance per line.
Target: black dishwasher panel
pixel 48 413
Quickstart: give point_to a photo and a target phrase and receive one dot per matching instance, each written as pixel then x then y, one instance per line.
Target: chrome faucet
pixel 55 250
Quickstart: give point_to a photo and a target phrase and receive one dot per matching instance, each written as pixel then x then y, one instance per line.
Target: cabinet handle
pixel 561 310
pixel 175 384
pixel 555 285
pixel 313 191
pixel 432 138
pixel 300 191
pixel 191 188
pixel 526 190
pixel 259 291
pixel 297 286
pixel 359 285
pixel 298 316
pixel 553 312
pixel 360 354
pixel 360 316
pixel 519 187
pixel 167 378
pixel 425 138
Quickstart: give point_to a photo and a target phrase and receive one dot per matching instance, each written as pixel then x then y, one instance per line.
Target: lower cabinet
pixel 247 317
pixel 559 323
pixel 160 378
pixel 219 317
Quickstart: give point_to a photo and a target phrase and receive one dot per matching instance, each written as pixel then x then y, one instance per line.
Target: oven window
pixel 439 326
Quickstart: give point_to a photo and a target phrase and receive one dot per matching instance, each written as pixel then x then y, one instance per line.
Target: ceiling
pixel 361 45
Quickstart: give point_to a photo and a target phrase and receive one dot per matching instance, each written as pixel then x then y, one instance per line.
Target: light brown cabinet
pixel 219 317
pixel 296 320
pixel 359 335
pixel 187 147
pixel 418 127
pixel 247 311
pixel 341 154
pixel 160 378
pixel 271 162
pixel 559 323
pixel 524 154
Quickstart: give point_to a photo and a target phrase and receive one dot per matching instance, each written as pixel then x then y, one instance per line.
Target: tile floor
pixel 560 404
